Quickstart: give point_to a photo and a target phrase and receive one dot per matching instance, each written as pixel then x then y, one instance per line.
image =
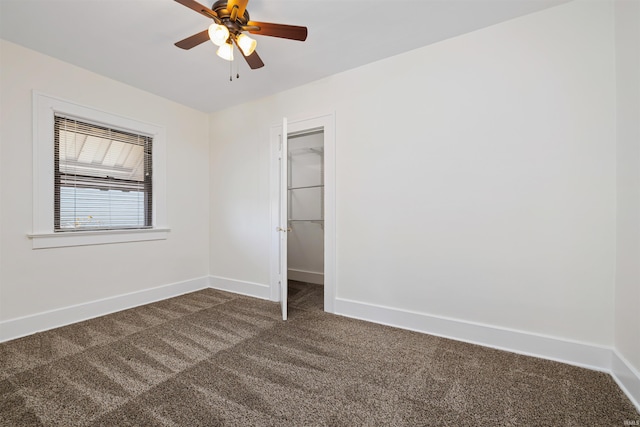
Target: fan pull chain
pixel 231 71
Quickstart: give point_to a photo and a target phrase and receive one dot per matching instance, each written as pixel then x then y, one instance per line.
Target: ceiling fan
pixel 231 20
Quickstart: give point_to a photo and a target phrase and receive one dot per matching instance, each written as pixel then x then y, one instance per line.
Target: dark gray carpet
pixel 212 358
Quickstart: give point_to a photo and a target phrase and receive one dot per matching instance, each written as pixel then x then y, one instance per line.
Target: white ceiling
pixel 133 40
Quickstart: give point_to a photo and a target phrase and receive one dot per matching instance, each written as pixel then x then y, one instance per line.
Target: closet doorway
pixel 303 214
pixel 305 231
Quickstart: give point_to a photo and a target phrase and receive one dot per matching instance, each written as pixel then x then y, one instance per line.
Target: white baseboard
pixel 257 290
pixel 306 276
pixel 573 353
pixel 22 326
pixel 627 378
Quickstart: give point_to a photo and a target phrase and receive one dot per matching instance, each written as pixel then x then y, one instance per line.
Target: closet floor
pixel 306 296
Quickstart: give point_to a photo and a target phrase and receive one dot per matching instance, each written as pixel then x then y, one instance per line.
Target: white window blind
pixel 103 177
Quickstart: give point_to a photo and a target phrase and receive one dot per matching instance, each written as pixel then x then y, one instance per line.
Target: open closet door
pixel 284 217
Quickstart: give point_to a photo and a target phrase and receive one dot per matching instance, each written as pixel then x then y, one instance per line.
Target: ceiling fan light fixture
pixel 218 34
pixel 225 51
pixel 246 43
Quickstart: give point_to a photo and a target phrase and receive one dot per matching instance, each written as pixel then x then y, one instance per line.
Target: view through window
pixel 103 177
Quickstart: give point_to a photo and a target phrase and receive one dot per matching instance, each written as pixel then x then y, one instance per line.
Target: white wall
pixel 239 188
pixel 36 281
pixel 627 296
pixel 476 178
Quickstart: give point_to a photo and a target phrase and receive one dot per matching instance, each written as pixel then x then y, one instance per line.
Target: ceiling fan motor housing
pixel 235 27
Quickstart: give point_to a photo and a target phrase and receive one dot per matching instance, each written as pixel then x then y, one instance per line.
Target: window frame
pixel 45 107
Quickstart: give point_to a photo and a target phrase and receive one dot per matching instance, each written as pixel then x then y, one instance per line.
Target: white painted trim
pixel 44 109
pixel 306 276
pixel 565 351
pixel 256 290
pixel 102 237
pixel 627 378
pixel 27 325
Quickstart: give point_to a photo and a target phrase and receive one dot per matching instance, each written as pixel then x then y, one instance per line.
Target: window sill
pixel 85 238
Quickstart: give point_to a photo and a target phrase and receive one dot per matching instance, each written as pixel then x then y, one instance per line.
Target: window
pixel 98 177
pixel 103 177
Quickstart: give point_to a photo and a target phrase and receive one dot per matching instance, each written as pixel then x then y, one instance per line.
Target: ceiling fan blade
pixel 241 4
pixel 204 10
pixel 291 32
pixel 253 60
pixel 194 40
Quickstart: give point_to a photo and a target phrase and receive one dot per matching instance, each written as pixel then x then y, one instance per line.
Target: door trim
pixel 297 125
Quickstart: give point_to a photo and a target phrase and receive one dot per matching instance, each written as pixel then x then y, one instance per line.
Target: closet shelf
pixel 306 150
pixel 305 186
pixel 320 222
